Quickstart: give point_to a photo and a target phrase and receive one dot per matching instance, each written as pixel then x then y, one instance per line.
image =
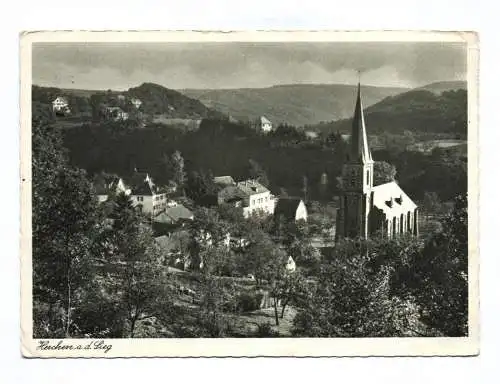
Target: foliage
pixel 438 275
pixel 352 298
pixel 383 172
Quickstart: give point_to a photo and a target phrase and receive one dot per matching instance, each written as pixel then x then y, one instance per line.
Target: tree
pixel 383 172
pixel 305 187
pixel 64 228
pixel 179 173
pixel 351 297
pixel 438 276
pixel 431 202
pixel 138 279
pixel 256 172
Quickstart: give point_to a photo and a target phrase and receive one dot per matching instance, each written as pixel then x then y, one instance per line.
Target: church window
pixel 367 177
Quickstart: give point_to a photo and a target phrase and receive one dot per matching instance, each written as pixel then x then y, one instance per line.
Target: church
pixel 366 210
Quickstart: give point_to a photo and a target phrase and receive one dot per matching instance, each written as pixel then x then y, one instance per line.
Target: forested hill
pixel 417 111
pixel 296 104
pixel 156 100
pixel 444 86
pixel 160 100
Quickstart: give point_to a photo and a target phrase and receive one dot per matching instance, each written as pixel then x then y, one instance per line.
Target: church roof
pixel 391 199
pixel 359 142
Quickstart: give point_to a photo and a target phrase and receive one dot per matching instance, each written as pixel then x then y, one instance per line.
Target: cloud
pixel 233 65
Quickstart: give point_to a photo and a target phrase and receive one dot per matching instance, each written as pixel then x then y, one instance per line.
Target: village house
pixel 250 195
pixel 136 102
pixel 291 209
pixel 114 113
pixel 60 105
pixel 265 125
pixel 290 265
pixel 175 214
pixel 107 186
pixel 146 196
pixel 366 209
pixel 256 198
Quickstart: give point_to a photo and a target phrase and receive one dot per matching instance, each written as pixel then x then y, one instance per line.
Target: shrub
pixel 248 301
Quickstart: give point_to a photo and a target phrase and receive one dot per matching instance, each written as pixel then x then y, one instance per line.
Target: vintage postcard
pixel 249 194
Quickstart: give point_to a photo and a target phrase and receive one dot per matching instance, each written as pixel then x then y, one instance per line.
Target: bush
pixel 248 302
pixel 266 330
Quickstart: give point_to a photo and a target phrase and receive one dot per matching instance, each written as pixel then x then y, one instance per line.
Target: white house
pixel 290 265
pixel 136 102
pixel 292 209
pixel 115 113
pixel 256 198
pixel 60 104
pixel 147 196
pixel 265 125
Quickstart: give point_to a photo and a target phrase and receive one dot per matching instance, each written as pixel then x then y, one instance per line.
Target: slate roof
pixel 287 207
pixel 105 185
pixel 173 214
pixel 251 187
pixel 391 199
pixel 224 180
pixel 142 184
pixel 359 143
pixel 264 120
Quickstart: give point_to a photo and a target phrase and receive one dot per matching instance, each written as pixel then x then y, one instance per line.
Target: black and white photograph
pixel 241 189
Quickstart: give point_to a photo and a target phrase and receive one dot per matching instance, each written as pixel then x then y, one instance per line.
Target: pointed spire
pixel 359 142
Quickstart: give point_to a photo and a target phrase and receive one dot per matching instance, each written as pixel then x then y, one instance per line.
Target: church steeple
pixel 359 150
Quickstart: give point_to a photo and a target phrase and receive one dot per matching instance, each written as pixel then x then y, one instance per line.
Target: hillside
pixel 156 101
pixel 417 111
pixel 444 86
pixel 297 104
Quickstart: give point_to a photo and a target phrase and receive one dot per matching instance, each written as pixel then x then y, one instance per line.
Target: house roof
pixel 60 98
pixel 287 206
pixel 142 184
pixel 251 187
pixel 264 120
pixel 104 185
pixel 173 214
pixel 224 180
pixel 391 199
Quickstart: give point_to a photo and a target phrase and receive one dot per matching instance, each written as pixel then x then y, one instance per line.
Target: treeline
pixel 225 148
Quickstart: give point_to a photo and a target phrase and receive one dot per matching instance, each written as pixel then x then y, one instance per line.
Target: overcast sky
pixel 239 65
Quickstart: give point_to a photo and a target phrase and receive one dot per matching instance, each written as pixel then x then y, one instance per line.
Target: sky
pixel 119 66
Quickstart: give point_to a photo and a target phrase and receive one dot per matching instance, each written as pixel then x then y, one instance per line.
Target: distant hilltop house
pixel 366 209
pixel 252 196
pixel 291 209
pixel 111 185
pixel 263 124
pixel 114 113
pixel 61 105
pixel 136 102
